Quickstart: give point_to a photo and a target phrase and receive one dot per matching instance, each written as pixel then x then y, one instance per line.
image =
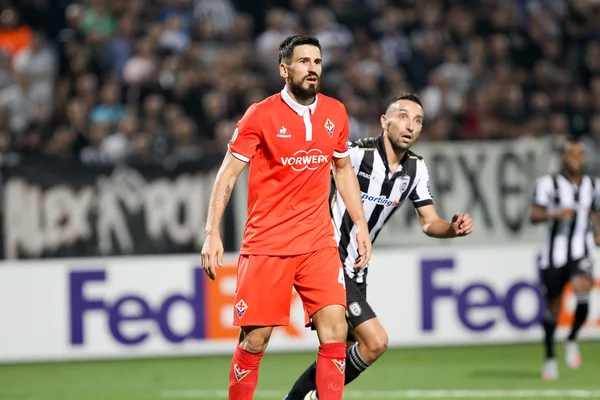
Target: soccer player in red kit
pixel 290 140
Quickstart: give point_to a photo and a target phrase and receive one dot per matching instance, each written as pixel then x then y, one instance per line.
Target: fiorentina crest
pixel 241 308
pixel 329 127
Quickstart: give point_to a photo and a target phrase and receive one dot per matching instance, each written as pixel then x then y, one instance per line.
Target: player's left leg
pixel 256 315
pixel 553 281
pixel 320 283
pixel 366 342
pixel 582 284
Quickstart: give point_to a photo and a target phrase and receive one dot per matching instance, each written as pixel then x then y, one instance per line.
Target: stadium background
pixel 114 116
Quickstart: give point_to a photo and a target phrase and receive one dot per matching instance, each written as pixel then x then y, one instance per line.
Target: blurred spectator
pixel 61 143
pixel 94 153
pixel 110 109
pixel 174 38
pixel 38 62
pixel 6 75
pixel 140 66
pixel 592 146
pixel 117 146
pixel 97 21
pixel 14 35
pixel 267 43
pixel 122 46
pixel 136 80
pixel 18 102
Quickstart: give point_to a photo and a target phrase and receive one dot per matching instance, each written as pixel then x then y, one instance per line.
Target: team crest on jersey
pixel 355 309
pixel 329 127
pixel 404 181
pixel 241 308
pixel 340 364
pixel 240 373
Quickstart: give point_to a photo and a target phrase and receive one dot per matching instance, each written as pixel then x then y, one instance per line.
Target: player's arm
pixel 435 226
pixel 347 184
pixel 212 250
pixel 595 217
pixel 431 223
pixel 542 198
pixel 242 147
pixel 540 213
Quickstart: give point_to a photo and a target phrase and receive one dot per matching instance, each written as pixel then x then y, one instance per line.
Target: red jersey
pixel 290 148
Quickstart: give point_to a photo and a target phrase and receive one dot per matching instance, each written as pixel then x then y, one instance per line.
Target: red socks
pixel 243 374
pixel 331 365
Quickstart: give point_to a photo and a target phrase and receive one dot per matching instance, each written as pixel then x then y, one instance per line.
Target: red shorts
pixel 263 293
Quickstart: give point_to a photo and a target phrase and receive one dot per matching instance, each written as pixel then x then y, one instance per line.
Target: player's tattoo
pixel 227 195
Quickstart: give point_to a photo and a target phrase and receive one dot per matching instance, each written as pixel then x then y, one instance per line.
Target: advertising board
pixel 165 306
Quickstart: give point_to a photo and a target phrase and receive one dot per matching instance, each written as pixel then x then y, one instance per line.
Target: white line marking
pixel 406 394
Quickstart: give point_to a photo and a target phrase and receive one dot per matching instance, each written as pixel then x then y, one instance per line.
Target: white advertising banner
pixel 123 307
pixel 465 295
pixel 165 306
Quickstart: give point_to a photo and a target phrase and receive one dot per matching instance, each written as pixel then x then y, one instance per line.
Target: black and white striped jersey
pixel 383 192
pixel 567 240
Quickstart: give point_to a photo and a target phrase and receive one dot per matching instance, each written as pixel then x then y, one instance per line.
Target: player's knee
pixel 333 332
pixel 582 284
pixel 331 324
pixel 553 306
pixel 339 331
pixel 255 342
pixel 377 345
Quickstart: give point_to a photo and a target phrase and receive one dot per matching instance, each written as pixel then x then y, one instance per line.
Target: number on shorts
pixel 341 278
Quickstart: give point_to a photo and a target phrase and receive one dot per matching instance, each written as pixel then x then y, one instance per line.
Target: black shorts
pixel 555 279
pixel 358 309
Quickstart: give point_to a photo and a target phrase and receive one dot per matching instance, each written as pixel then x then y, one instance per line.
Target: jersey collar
pixel 297 107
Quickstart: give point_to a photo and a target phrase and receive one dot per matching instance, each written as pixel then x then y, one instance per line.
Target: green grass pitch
pixel 460 373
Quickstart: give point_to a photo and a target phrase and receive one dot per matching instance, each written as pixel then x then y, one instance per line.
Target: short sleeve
pixel 421 194
pixel 341 148
pixel 247 136
pixel 543 191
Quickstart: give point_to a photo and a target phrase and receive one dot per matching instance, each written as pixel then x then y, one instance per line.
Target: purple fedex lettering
pixel 115 311
pixel 487 299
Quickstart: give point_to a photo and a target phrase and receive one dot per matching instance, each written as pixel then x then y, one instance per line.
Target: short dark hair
pixel 286 48
pixel 406 96
pixel 568 142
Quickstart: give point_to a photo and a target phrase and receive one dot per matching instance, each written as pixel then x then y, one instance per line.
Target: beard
pixel 302 93
pixel 398 146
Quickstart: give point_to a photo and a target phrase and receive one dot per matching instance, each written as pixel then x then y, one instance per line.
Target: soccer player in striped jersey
pixel 389 174
pixel 567 202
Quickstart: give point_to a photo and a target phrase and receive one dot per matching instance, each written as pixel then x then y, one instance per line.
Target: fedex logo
pixel 134 314
pixel 303 159
pixel 479 295
pixel 381 200
pixel 114 309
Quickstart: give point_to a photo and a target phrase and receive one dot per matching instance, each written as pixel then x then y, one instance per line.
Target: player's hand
pixel 567 214
pixel 212 254
pixel 597 239
pixel 462 224
pixel 364 247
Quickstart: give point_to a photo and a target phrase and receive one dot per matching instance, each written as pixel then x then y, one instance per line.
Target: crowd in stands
pixel 105 81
